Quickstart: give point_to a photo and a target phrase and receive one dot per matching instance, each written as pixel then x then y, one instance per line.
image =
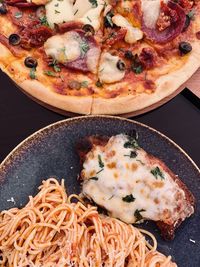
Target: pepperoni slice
pixel 170 32
pixel 93 50
pixel 23 17
pixel 20 3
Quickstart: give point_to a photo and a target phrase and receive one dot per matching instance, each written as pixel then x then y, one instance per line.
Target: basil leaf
pixel 128 198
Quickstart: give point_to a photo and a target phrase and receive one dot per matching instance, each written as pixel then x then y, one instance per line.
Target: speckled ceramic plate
pixel 51 152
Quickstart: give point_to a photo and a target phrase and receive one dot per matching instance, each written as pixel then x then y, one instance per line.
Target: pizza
pixel 99 56
pixel 133 185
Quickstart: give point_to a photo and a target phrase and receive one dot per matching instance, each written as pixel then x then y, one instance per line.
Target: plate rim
pixel 5 161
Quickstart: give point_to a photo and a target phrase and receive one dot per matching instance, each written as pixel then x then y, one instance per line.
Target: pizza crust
pixel 42 93
pixel 166 85
pixel 73 104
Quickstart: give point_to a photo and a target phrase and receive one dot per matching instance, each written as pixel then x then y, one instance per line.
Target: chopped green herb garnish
pixel 84 84
pixel 191 14
pixel 132 155
pixel 50 73
pixel 157 173
pixel 18 15
pixel 140 161
pixel 57 12
pixel 84 47
pixel 94 178
pixel 132 143
pixel 54 64
pixel 100 171
pixel 138 215
pixel 136 66
pixel 111 197
pixel 108 20
pixel 43 21
pixel 32 73
pixel 101 164
pixel 89 19
pixel 138 69
pixel 128 198
pixel 56 5
pixel 94 3
pixel 75 12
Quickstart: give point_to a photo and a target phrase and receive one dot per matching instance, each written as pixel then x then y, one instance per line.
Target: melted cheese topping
pixel 108 71
pixel 127 187
pixel 82 10
pixel 88 13
pixel 59 11
pixel 63 48
pixel 151 11
pixel 81 7
pixel 133 34
pixel 93 59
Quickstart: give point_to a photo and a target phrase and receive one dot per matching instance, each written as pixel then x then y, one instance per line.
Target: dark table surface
pixel 179 119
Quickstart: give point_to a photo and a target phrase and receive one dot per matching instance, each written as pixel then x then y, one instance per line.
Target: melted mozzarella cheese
pixel 81 7
pixel 133 34
pixel 82 10
pixel 90 15
pixel 126 187
pixel 59 11
pixel 63 48
pixel 108 71
pixel 151 11
pixel 93 59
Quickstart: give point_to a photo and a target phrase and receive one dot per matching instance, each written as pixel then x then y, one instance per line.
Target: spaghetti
pixel 53 231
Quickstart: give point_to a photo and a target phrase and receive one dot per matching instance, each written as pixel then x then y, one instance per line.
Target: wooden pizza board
pixel 192 84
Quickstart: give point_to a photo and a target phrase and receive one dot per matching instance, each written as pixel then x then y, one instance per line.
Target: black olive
pixel 14 39
pixel 129 55
pixel 185 48
pixel 89 29
pixel 187 23
pixel 99 84
pixel 74 85
pixel 3 9
pixel 121 65
pixel 30 62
